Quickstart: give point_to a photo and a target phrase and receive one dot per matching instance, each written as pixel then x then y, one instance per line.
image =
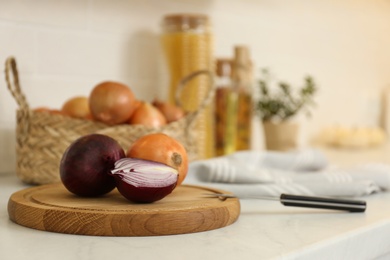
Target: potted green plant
pixel 278 106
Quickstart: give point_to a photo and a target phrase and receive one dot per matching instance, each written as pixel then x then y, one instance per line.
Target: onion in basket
pixel 147 115
pixel 171 112
pixel 112 102
pixel 77 107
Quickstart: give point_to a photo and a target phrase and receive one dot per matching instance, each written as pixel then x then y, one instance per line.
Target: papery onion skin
pixel 147 115
pixel 144 181
pixel 159 147
pixel 112 102
pixel 171 112
pixel 86 164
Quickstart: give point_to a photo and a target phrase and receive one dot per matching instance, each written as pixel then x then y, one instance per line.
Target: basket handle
pixel 14 86
pixel 210 95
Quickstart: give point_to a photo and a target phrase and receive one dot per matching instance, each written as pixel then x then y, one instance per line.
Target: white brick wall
pixel 64 47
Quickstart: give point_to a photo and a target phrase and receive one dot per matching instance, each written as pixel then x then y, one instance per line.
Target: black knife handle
pixel 323 203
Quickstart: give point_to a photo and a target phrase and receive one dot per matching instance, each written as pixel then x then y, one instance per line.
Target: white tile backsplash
pixel 65 14
pixel 88 54
pixel 18 40
pixel 65 47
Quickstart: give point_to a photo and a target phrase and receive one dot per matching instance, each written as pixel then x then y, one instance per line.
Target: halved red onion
pixel 144 181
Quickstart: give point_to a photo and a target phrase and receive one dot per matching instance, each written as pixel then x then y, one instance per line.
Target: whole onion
pixel 86 165
pixel 171 112
pixel 77 107
pixel 147 115
pixel 112 102
pixel 162 148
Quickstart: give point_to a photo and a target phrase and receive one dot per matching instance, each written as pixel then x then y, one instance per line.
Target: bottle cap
pixel 224 67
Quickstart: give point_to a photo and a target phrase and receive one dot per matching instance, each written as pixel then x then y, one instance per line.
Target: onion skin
pixel 144 181
pixel 112 103
pixel 159 147
pixel 86 164
pixel 142 194
pixel 171 112
pixel 147 115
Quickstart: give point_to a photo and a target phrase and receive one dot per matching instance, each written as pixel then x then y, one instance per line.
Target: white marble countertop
pixel 264 230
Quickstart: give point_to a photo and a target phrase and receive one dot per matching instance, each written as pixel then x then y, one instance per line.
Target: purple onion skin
pixel 142 194
pixel 86 164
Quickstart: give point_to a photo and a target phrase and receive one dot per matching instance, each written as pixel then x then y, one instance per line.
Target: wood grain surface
pixel 52 208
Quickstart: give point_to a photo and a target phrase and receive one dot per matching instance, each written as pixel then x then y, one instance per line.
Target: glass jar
pixel 187 46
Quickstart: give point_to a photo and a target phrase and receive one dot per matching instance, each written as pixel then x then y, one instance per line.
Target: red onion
pixel 86 164
pixel 144 181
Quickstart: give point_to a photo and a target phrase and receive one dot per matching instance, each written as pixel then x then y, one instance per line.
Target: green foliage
pixel 283 104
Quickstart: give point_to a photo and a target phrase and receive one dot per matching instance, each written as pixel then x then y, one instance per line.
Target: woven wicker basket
pixel 43 137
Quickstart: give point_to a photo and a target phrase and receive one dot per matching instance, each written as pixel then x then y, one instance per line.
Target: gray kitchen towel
pixel 306 172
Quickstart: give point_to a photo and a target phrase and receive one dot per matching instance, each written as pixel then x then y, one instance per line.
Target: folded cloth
pixel 263 173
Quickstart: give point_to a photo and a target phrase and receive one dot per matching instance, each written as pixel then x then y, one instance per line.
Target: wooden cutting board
pixel 52 208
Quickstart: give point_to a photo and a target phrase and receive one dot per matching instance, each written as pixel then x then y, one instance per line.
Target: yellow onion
pixel 159 147
pixel 147 115
pixel 112 102
pixel 171 112
pixel 77 107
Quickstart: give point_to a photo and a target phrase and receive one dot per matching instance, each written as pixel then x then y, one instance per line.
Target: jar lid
pixel 186 21
pixel 224 67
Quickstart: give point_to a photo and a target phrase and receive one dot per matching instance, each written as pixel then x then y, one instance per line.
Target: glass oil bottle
pixel 225 109
pixel 242 79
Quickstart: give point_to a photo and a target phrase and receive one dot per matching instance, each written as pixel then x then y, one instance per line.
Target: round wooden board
pixel 186 210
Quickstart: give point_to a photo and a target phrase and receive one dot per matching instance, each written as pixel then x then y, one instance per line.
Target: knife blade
pixel 305 201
